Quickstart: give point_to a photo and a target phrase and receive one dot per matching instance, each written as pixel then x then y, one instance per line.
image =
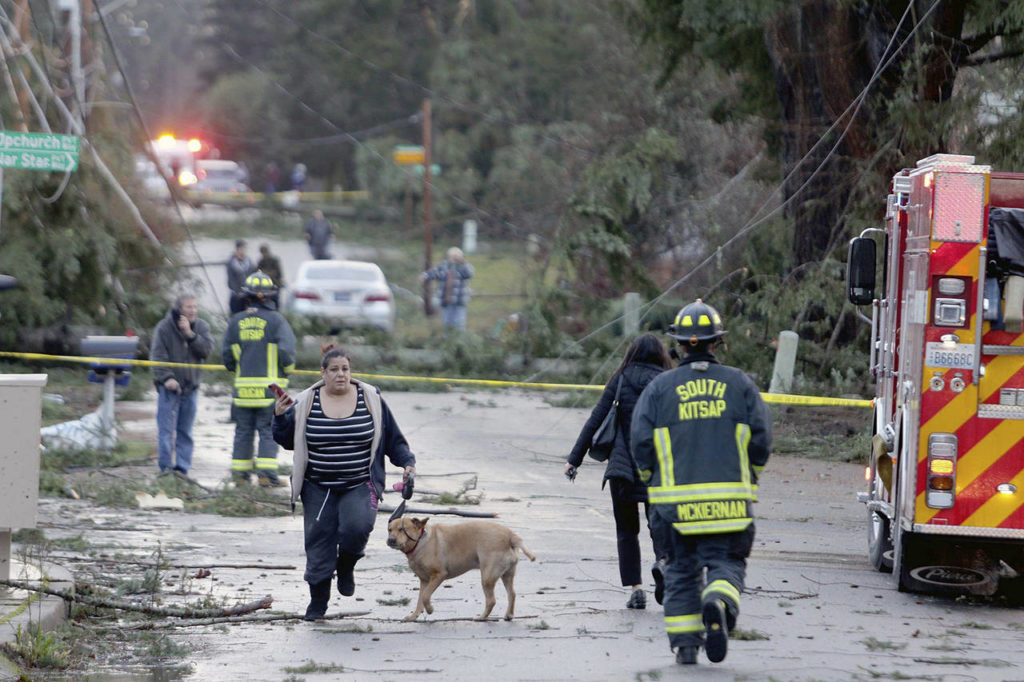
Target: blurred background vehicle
pixel 345 292
pixel 152 181
pixel 214 175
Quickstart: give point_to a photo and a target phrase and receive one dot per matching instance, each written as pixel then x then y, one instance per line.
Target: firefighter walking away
pixel 701 435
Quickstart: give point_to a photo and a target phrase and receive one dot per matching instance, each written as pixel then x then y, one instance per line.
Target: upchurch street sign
pixel 38 151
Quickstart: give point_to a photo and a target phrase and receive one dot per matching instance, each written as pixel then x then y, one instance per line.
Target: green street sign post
pixel 38 151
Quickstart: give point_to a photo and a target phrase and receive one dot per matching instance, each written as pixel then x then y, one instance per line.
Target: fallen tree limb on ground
pixel 257 618
pixel 164 611
pixel 167 565
pixel 454 512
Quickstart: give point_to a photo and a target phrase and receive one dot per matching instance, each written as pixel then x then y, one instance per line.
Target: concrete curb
pixel 20 608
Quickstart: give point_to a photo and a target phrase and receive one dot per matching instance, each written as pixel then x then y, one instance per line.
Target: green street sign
pixel 38 151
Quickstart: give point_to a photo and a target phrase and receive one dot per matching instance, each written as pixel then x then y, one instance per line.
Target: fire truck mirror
pixel 860 271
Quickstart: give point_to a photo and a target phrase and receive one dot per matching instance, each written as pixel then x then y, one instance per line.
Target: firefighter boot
pixel 319 595
pixel 686 655
pixel 346 573
pixel 715 631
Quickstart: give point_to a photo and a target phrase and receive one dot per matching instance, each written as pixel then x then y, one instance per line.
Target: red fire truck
pixel 945 482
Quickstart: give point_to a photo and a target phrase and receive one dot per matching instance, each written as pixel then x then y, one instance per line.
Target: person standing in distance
pixel 270 265
pixel 318 234
pixel 645 359
pixel 239 267
pixel 180 337
pixel 454 275
pixel 701 434
pixel 259 347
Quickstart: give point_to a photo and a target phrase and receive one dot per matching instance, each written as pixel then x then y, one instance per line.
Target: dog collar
pixel 416 544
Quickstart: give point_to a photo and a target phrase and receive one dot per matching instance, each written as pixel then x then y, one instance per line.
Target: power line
pixel 755 222
pixel 407 81
pixel 145 130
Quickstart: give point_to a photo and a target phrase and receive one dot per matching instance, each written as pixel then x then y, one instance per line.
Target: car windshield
pixel 358 275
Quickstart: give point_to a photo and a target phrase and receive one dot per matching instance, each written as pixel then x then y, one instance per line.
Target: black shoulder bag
pixel 604 438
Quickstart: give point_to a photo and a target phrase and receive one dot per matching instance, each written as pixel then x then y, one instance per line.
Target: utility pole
pixel 428 218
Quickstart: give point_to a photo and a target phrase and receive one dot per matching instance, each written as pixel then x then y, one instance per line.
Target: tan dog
pixel 447 551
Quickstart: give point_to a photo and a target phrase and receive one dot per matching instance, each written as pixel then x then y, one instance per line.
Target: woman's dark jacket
pixel 620 463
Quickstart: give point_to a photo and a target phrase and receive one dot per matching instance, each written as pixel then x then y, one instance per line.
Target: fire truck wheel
pixel 879 542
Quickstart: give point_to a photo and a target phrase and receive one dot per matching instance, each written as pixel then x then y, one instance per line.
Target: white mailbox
pixel 20 414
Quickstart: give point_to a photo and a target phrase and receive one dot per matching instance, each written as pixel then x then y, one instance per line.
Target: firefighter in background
pixel 259 347
pixel 701 435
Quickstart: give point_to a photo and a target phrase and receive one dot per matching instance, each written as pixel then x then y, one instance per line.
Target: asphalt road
pixel 814 609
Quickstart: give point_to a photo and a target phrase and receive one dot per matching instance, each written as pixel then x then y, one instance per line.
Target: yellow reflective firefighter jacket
pixel 700 436
pixel 259 347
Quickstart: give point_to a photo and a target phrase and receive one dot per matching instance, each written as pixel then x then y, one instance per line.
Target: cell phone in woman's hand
pixel 279 392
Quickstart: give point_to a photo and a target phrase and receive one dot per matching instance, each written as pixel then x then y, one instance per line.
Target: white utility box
pixel 20 415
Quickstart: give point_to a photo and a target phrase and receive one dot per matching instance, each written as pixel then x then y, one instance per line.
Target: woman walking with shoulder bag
pixel 645 358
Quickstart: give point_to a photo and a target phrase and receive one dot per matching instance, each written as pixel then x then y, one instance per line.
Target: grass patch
pixel 29 536
pixel 312 666
pixel 873 644
pixel 243 500
pixel 126 452
pixel 400 601
pixel 77 543
pixel 748 635
pixel 837 434
pixel 35 648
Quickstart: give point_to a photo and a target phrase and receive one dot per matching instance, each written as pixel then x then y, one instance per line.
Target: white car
pixel 347 292
pixel 152 181
pixel 215 175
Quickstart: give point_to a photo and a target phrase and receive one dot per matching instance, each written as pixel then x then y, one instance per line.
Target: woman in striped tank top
pixel 341 430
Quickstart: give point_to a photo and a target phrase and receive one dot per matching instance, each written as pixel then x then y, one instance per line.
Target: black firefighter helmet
pixel 697 322
pixel 259 287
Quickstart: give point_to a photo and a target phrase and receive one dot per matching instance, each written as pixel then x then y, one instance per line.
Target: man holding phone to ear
pixel 180 337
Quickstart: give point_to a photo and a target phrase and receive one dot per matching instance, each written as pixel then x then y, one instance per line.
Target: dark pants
pixel 627 499
pixel 335 521
pixel 250 421
pixel 724 558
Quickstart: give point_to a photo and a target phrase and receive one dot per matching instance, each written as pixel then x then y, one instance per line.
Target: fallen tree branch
pixel 383 509
pixel 167 612
pixel 257 618
pixel 166 565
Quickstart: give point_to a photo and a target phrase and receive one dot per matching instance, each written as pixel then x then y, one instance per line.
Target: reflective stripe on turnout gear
pixel 722 589
pixel 691 622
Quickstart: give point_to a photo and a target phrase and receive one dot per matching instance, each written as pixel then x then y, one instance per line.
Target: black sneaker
pixel 637 600
pixel 658 571
pixel 686 655
pixel 716 635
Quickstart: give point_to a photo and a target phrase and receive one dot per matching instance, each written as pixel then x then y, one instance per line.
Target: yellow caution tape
pixel 777 398
pixel 344 195
pixel 815 401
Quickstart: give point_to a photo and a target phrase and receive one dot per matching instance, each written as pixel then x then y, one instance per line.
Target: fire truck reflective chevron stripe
pixel 990 445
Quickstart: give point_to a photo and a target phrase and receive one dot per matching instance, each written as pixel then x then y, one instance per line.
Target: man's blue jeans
pixel 454 317
pixel 175 413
